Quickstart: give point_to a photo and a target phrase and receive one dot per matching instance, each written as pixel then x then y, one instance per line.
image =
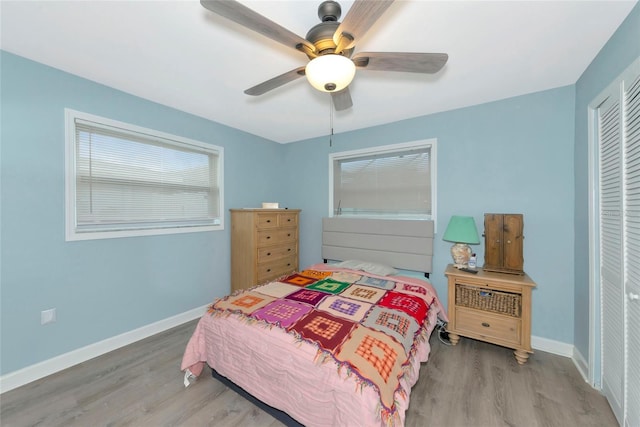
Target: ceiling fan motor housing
pixel 321 35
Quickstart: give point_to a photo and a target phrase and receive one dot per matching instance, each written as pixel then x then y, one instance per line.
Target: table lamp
pixel 463 232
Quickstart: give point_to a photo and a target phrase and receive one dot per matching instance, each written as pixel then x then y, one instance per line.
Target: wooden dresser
pixel 264 245
pixel 491 307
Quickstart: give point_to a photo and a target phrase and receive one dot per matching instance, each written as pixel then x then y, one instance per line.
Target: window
pixel 123 180
pixel 393 181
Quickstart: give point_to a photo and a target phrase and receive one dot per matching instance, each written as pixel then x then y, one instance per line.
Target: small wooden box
pixel 503 243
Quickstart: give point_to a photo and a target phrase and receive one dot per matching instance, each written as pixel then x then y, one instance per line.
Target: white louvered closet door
pixel 618 123
pixel 631 124
pixel 611 254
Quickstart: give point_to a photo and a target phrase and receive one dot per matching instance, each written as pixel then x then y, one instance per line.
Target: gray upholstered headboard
pixel 403 244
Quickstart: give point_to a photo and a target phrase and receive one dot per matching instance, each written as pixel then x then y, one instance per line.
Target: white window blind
pixel 395 181
pixel 128 178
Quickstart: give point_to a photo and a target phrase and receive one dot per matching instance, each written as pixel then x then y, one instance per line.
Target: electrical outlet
pixel 47 316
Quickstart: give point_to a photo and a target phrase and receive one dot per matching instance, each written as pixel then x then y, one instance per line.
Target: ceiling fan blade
pixel 360 17
pixel 275 82
pixel 427 63
pixel 342 99
pixel 240 14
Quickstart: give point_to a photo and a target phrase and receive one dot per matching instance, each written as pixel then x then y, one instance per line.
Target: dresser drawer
pixel 270 253
pixel 487 325
pixel 267 220
pixel 288 219
pixel 276 219
pixel 271 270
pixel 275 237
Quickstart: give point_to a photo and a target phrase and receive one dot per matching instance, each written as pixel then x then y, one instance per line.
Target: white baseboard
pixel 552 346
pixel 42 369
pixel 581 364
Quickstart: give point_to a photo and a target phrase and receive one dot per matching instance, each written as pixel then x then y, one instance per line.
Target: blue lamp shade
pixel 462 231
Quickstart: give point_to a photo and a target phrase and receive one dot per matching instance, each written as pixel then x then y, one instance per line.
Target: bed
pixel 336 343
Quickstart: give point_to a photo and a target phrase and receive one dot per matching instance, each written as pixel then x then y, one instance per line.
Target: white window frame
pixel 71 231
pixel 432 143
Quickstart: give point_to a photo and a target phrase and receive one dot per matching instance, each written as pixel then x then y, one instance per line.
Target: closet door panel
pixel 612 254
pixel 632 252
pixel 617 117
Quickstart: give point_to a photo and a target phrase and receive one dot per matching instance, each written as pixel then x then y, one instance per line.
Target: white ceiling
pixel 179 54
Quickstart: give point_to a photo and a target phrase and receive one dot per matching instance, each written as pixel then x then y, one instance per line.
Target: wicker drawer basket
pixel 489 300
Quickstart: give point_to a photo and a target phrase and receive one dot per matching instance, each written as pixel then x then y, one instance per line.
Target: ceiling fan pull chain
pixel 330 122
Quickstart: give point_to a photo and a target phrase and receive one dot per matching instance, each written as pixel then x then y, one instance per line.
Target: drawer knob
pixel 485 324
pixel 268 237
pixel 268 270
pixel 268 253
pixel 288 264
pixel 289 250
pixel 268 220
pixel 288 234
pixel 289 220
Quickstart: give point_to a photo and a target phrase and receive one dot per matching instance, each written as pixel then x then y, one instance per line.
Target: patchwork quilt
pixel 367 325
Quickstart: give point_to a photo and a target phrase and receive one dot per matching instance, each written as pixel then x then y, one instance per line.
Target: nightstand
pixel 491 307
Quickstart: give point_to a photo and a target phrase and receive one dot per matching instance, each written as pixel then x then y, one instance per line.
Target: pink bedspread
pixel 286 372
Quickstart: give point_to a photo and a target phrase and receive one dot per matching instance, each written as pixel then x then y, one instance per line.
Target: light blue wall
pixel 619 52
pixel 511 156
pixel 515 155
pixel 106 287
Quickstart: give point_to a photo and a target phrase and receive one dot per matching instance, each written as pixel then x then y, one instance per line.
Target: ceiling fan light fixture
pixel 330 72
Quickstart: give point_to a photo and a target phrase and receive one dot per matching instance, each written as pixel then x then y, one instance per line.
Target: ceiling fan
pixel 329 46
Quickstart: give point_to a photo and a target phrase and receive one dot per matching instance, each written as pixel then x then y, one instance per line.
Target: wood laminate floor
pixel 470 384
